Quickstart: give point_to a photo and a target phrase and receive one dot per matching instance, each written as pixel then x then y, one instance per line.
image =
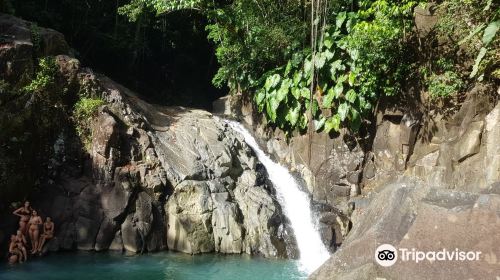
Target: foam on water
pixel 296 205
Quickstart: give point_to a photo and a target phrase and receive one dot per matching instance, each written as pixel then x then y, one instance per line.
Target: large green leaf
pixel 259 99
pixel 342 111
pixel 293 114
pixel 328 98
pixel 333 123
pixel 351 21
pixel 282 92
pixel 272 108
pixel 351 96
pixel 297 76
pixel 352 78
pixel 327 54
pixel 318 124
pixel 340 19
pixel 295 92
pixel 315 107
pixel 479 58
pixel 328 42
pixel 305 93
pixel 288 68
pixel 303 121
pixel 307 67
pixel 320 60
pixel 490 31
pixel 338 89
pixel 272 81
pixel 334 67
pixel 355 120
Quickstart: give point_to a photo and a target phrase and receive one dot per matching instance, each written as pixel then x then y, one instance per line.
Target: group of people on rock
pixel 29 229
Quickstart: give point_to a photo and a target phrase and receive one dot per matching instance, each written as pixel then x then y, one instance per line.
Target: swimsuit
pixel 24 213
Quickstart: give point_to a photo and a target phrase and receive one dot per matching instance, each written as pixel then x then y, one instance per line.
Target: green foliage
pixel 474 25
pixel 488 36
pixel 31 117
pixel 253 37
pixel 35 37
pixel 358 59
pixel 46 96
pixel 45 77
pixel 362 55
pixel 444 80
pixel 136 7
pixel 357 62
pixel 444 85
pixel 84 113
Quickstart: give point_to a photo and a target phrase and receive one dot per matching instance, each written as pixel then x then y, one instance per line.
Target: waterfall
pixel 296 205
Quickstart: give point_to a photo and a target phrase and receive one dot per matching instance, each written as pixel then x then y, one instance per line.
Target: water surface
pixel 165 265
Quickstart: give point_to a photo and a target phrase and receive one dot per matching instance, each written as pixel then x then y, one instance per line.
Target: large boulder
pixel 21 41
pixel 189 215
pixel 216 191
pixel 410 214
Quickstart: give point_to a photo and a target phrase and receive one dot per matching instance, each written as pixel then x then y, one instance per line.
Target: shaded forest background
pixel 167 59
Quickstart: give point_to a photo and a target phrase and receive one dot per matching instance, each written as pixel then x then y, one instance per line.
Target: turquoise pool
pixel 163 265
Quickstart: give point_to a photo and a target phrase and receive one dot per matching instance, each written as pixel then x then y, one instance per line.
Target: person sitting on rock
pixel 24 214
pixel 34 230
pixel 22 243
pixel 15 254
pixel 48 233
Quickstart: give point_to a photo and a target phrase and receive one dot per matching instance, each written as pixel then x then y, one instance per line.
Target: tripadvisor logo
pixel 387 255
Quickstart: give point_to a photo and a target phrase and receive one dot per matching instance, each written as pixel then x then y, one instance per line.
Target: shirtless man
pixel 22 243
pixel 15 254
pixel 24 214
pixel 34 230
pixel 48 233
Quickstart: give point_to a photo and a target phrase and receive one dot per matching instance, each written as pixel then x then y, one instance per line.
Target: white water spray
pixel 296 205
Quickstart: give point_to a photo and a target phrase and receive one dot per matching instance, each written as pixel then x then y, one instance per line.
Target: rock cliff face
pixel 154 177
pixel 169 178
pixel 409 214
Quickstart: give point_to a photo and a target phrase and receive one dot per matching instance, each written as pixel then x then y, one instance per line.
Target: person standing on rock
pixel 24 214
pixel 48 233
pixel 34 230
